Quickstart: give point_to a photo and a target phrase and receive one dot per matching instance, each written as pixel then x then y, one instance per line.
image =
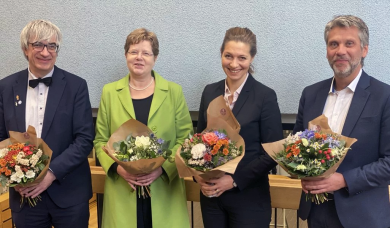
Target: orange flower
pixel 216 147
pixel 288 155
pixel 8 172
pixel 317 135
pixel 210 138
pixel 3 162
pixel 214 152
pixel 225 151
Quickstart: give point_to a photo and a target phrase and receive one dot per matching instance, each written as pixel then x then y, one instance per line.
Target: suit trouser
pixel 237 209
pixel 47 214
pixel 324 215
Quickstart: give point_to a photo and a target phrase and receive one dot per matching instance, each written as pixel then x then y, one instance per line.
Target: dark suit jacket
pixel 67 130
pixel 366 168
pixel 258 113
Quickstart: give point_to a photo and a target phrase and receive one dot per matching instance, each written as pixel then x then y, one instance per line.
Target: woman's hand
pixel 130 178
pixel 215 187
pixel 147 179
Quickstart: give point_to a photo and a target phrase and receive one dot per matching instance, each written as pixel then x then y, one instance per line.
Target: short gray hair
pixel 41 30
pixel 346 21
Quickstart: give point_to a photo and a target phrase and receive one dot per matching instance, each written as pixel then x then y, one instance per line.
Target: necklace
pixel 142 88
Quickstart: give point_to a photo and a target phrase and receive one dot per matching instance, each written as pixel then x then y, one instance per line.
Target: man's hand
pixel 34 191
pixel 330 184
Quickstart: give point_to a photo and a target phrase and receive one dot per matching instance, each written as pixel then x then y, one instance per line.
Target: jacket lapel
pixel 243 95
pixel 124 96
pixel 357 104
pixel 20 91
pixel 318 106
pixel 160 93
pixel 56 90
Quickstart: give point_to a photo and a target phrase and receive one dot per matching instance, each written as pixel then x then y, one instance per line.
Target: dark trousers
pixel 47 214
pixel 250 208
pixel 324 215
pixel 144 212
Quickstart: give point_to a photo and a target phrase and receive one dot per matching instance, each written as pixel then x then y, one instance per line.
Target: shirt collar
pixel 351 86
pixel 31 76
pixel 238 91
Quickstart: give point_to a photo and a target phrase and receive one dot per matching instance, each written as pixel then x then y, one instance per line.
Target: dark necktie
pixel 35 82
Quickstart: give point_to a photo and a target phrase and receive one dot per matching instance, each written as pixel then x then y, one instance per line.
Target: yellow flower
pixel 305 142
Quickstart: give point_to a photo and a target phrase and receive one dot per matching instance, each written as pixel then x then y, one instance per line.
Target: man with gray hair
pixel 357 106
pixel 57 104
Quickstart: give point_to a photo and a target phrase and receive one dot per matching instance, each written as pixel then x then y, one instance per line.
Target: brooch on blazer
pixel 17 101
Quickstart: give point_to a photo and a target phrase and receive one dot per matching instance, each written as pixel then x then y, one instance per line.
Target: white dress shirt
pixel 235 95
pixel 36 103
pixel 338 103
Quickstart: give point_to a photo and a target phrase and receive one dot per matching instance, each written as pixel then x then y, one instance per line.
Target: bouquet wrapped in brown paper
pixel 24 161
pixel 134 147
pixel 313 154
pixel 215 151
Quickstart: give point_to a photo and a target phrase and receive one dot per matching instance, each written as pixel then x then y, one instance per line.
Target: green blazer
pixel 169 119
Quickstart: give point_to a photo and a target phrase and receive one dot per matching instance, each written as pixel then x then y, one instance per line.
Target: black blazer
pixel 258 113
pixel 67 130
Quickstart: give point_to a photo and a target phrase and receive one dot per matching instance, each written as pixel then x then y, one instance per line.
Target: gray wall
pixel 291 49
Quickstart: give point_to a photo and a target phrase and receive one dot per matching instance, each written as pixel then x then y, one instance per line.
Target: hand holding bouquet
pixel 23 163
pixel 141 152
pixel 215 151
pixel 311 154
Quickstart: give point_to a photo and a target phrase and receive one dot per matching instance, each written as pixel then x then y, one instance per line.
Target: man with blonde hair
pixel 57 104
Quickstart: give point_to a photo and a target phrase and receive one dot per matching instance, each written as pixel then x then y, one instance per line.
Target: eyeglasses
pixel 38 46
pixel 144 54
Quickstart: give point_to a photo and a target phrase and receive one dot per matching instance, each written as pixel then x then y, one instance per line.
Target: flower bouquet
pixel 315 153
pixel 134 147
pixel 215 151
pixel 24 161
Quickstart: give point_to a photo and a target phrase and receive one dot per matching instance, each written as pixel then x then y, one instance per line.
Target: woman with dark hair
pixel 242 199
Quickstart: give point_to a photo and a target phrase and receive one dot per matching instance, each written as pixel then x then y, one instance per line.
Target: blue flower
pixel 307 134
pixel 160 141
pixel 159 151
pixel 151 135
pixel 220 135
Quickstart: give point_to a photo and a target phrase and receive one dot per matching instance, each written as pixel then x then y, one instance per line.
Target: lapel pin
pixel 16 103
pixel 19 102
pixel 17 97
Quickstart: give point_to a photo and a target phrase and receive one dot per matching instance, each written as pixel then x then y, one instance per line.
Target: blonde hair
pixel 40 30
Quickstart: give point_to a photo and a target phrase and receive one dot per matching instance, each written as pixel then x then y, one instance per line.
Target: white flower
pixel 293 138
pixel 14 178
pixel 198 150
pixel 301 167
pixel 130 151
pixel 3 152
pixel 33 160
pixel 30 174
pixel 142 141
pixel 39 153
pixel 334 152
pixel 134 158
pixel 196 162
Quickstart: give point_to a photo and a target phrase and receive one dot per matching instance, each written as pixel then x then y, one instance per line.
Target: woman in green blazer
pixel 147 97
